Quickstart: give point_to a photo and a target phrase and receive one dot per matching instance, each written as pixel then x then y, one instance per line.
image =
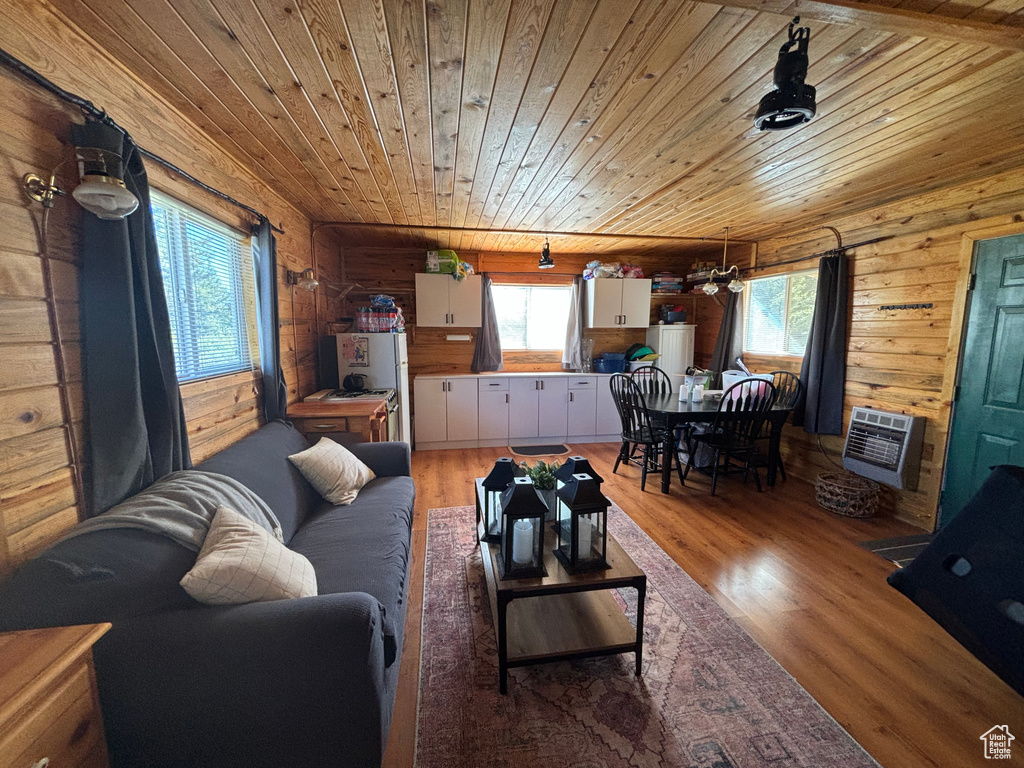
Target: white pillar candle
pixel 522 542
pixel 584 533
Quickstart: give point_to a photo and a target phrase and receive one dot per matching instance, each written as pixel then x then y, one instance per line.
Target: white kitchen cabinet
pixel 538 407
pixel 431 409
pixel 462 409
pixel 582 410
pixel 552 411
pixel 443 302
pixel 613 303
pixel 608 422
pixel 493 408
pixel 675 345
pixel 446 409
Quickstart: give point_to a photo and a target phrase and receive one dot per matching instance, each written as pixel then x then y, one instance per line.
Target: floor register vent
pixel 884 446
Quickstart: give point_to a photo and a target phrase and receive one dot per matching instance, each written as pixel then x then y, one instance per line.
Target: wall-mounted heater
pixel 884 446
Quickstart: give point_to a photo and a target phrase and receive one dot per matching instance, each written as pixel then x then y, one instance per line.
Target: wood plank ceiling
pixel 618 117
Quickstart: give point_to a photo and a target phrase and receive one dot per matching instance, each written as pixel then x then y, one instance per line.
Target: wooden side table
pixel 49 710
pixel 364 420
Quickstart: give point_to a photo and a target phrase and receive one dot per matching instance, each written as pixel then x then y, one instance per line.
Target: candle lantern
pixel 521 550
pixel 505 470
pixel 574 465
pixel 582 525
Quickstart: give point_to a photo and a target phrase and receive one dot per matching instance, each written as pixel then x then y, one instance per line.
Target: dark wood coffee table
pixel 562 615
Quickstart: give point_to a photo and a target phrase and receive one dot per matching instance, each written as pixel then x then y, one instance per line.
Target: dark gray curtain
pixel 487 355
pixel 572 352
pixel 824 368
pixel 134 422
pixel 264 253
pixel 729 344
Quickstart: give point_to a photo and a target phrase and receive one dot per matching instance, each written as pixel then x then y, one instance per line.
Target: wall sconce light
pixel 303 279
pixel 735 285
pixel 792 102
pixel 546 262
pixel 102 190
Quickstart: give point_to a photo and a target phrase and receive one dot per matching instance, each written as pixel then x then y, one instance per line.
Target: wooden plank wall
pixel 37 494
pixel 900 360
pixel 392 271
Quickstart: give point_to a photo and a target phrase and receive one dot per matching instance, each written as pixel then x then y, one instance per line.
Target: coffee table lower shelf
pixel 572 617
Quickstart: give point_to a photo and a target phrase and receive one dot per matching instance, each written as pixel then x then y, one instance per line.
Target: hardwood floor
pixel 793 576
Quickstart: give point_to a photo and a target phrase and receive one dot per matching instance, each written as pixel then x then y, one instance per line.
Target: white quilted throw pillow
pixel 240 562
pixel 336 474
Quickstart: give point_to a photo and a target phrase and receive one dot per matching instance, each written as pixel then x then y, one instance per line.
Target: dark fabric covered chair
pixel 639 431
pixel 970 578
pixel 732 435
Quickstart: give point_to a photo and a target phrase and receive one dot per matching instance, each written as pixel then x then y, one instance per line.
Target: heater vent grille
pixel 884 446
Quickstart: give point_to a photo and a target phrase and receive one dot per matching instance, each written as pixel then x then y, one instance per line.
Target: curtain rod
pixel 831 252
pixel 91 110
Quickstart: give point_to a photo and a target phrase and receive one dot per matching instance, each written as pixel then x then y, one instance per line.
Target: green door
pixel 988 423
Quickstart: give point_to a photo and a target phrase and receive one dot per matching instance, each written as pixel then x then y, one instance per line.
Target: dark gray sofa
pixel 294 682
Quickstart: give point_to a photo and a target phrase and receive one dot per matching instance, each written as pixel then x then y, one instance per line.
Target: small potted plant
pixel 543 475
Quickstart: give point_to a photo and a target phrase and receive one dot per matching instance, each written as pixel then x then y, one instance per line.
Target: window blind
pixel 778 313
pixel 207 273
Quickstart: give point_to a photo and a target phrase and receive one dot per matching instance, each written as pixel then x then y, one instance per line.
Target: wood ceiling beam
pixel 896 20
pixel 516 232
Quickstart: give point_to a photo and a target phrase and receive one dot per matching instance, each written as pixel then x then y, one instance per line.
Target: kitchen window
pixel 532 317
pixel 209 283
pixel 777 313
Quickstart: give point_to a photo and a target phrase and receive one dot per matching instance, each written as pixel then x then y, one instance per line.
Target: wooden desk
pixel 366 418
pixel 48 703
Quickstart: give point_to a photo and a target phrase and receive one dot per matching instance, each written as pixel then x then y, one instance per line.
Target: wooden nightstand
pixel 49 711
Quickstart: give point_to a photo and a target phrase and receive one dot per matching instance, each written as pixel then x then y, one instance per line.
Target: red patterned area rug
pixel 709 696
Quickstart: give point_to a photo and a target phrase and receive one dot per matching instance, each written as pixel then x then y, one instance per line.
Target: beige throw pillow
pixel 241 562
pixel 336 474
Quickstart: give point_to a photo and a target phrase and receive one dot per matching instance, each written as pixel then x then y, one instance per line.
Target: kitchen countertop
pixel 508 374
pixel 318 409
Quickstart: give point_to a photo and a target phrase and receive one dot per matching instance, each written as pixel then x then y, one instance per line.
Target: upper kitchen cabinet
pixel 613 303
pixel 443 302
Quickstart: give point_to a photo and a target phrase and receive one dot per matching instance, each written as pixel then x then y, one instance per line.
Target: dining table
pixel 669 410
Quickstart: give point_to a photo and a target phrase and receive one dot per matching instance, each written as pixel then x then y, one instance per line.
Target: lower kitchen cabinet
pixel 467 411
pixel 538 408
pixel 446 409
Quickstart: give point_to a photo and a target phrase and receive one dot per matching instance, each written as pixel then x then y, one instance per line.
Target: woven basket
pixel 847 494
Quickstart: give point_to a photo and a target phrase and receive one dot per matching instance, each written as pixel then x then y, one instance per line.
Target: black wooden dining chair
pixel 741 413
pixel 788 391
pixel 652 380
pixel 638 430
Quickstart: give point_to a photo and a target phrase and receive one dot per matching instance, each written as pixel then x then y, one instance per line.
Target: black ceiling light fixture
pixel 546 262
pixel 792 102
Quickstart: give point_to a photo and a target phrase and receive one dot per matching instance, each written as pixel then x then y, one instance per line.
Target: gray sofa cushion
pixel 102 576
pixel 260 462
pixel 365 548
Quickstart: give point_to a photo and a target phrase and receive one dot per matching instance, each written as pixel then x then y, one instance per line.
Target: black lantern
pixel 521 553
pixel 574 465
pixel 582 525
pixel 505 470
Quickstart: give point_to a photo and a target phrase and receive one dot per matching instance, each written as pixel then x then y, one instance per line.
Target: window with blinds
pixel 531 316
pixel 208 280
pixel 778 313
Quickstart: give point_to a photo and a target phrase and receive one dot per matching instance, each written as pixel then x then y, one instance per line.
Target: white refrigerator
pixel 383 358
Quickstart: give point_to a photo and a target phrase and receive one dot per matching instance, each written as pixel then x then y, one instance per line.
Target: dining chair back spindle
pixel 652 380
pixel 741 413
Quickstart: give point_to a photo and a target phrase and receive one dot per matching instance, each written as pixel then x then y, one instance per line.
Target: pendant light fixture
pixel 735 285
pixel 792 102
pixel 546 261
